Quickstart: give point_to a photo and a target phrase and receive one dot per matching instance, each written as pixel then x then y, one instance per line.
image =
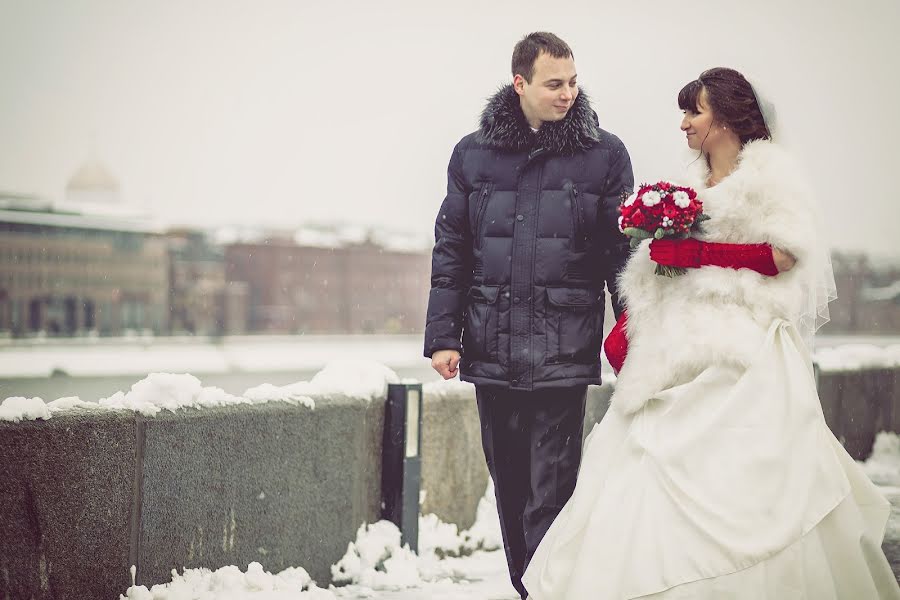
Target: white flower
pixel 651 198
pixel 631 200
pixel 682 200
pixel 667 222
pixel 620 224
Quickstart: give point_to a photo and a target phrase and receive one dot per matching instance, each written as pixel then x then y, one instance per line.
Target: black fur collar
pixel 503 125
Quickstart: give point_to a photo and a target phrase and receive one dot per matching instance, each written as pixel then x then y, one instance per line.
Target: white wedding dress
pixel 729 487
pixel 713 475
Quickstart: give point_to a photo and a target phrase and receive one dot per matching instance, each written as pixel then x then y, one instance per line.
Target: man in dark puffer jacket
pixel 524 242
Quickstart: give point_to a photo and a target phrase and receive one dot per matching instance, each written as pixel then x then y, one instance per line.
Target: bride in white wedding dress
pixel 713 476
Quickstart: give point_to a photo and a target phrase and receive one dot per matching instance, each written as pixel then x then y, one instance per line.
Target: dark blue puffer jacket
pixel 525 240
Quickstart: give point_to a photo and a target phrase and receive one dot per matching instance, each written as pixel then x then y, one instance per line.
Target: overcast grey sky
pixel 281 112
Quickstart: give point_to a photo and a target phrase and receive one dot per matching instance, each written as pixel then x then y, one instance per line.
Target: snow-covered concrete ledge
pixel 88 493
pixel 173 475
pixel 860 403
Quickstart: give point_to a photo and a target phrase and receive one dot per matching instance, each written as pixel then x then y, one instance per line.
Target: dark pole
pixel 401 468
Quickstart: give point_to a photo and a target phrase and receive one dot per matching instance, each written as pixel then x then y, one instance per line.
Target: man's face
pixel 552 90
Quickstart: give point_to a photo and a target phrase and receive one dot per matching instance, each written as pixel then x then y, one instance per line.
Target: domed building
pixel 89 264
pixel 93 183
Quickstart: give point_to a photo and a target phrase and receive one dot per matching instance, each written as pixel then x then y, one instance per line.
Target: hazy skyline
pixel 284 113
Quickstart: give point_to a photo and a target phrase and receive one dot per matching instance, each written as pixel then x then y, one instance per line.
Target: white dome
pixel 93 176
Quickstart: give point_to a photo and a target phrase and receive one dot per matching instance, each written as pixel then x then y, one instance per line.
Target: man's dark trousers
pixel 532 444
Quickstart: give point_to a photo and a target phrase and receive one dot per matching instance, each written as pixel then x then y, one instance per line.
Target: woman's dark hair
pixel 731 98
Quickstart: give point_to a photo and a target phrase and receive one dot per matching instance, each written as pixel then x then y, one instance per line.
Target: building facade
pixel 88 265
pixel 67 274
pixel 355 288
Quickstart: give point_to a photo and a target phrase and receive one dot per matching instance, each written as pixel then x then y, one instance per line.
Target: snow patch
pixel 288 393
pixel 361 379
pixel 857 357
pixel 18 408
pixel 377 561
pixel 68 403
pixel 883 466
pixel 444 388
pixel 230 583
pixel 169 391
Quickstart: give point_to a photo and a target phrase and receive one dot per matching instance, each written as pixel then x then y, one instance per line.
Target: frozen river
pixel 97 368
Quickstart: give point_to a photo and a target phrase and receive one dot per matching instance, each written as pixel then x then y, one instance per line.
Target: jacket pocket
pixel 480 330
pixel 574 324
pixel 484 196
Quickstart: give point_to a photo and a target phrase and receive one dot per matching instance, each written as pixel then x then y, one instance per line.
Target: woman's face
pixel 699 127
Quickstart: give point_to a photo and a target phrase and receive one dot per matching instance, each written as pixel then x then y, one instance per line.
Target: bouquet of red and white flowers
pixel 659 211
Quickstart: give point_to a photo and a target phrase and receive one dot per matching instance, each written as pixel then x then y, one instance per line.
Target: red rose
pixel 637 218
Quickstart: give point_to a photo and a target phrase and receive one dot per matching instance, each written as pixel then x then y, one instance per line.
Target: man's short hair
pixel 531 46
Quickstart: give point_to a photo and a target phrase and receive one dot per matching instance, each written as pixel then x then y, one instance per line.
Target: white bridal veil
pixel 818 285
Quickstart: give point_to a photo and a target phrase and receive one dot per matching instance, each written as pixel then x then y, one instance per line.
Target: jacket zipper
pixel 577 218
pixel 479 213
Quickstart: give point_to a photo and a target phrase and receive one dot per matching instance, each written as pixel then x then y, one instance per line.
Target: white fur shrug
pixel 679 326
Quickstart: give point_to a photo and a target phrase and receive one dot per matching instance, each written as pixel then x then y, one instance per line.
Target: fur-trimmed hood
pixel 503 125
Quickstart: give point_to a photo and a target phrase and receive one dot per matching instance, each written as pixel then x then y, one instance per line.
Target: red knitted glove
pixel 616 344
pixel 691 253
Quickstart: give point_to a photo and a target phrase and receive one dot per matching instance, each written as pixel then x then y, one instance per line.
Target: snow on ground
pixel 377 561
pixel 883 466
pixel 855 357
pixel 363 379
pixel 450 565
pixel 86 357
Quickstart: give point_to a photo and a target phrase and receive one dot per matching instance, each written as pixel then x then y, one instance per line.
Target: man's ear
pixel 519 84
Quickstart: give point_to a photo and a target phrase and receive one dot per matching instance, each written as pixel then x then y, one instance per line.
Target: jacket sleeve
pixel 616 248
pixel 451 265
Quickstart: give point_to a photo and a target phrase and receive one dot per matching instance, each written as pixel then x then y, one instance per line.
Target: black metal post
pixel 401 468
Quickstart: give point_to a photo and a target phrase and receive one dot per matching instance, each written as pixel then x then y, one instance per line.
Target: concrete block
pixel 272 483
pixel 597 404
pixel 859 413
pixel 454 473
pixel 830 391
pixel 66 500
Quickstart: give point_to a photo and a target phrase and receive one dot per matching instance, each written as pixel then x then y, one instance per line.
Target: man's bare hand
pixel 446 362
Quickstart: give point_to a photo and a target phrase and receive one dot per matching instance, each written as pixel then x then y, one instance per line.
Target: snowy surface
pixel 82 357
pixel 230 583
pixel 362 379
pixel 376 567
pixel 855 357
pixel 443 388
pixel 883 466
pixel 85 357
pixel 18 408
pixel 451 565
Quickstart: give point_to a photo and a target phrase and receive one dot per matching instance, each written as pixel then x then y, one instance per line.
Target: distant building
pixel 200 301
pixel 321 282
pixel 85 265
pixel 90 264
